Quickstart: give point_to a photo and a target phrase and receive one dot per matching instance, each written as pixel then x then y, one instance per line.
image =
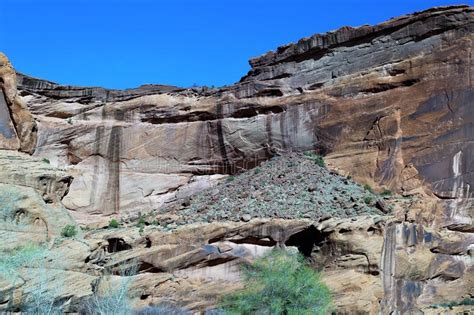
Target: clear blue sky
pixel 126 43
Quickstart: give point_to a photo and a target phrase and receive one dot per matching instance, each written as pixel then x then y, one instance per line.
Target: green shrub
pixel 318 159
pixel 386 193
pixel 69 121
pixel 279 283
pixel 141 222
pixel 257 170
pixel 368 200
pixel 368 188
pixel 45 160
pixel 230 178
pixel 69 231
pixel 114 224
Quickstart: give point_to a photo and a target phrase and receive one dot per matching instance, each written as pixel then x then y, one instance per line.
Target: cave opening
pixel 306 239
pixel 117 245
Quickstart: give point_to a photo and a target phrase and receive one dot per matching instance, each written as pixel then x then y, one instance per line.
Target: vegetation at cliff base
pixel 111 293
pixel 11 261
pixel 42 295
pixel 318 159
pixel 279 283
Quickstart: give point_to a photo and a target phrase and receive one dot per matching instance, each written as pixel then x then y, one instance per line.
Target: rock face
pixel 17 127
pixel 390 105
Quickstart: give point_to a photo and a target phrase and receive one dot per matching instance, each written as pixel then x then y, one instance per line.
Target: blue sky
pixel 126 43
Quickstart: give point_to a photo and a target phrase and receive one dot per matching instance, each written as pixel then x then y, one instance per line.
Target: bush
pixel 318 159
pixel 110 297
pixel 141 222
pixel 12 261
pixel 368 188
pixel 114 224
pixel 386 193
pixel 40 298
pixel 279 283
pixel 69 231
pixel 368 200
pixel 45 160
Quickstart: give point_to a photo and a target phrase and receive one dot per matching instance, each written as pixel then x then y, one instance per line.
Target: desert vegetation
pixel 111 294
pixel 279 283
pixel 8 198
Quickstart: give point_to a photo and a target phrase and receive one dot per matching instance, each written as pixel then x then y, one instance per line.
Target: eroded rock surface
pixel 17 127
pixel 389 105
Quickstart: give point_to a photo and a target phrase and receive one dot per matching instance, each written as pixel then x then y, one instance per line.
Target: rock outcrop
pixel 31 189
pixel 17 127
pixel 389 105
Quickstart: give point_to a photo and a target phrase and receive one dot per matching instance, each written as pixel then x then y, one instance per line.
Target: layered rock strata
pixel 390 105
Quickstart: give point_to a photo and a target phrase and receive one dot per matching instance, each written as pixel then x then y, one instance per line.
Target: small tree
pixel 279 283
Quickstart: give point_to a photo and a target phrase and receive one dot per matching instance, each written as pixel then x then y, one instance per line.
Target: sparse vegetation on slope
pixel 41 298
pixel 111 297
pixel 8 198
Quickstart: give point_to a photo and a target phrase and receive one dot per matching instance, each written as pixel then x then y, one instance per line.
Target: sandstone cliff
pixel 390 105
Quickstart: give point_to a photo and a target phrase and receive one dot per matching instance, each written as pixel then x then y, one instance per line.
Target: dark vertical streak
pixel 226 167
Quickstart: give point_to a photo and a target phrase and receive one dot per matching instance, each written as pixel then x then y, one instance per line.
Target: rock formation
pixel 17 127
pixel 366 97
pixel 390 105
